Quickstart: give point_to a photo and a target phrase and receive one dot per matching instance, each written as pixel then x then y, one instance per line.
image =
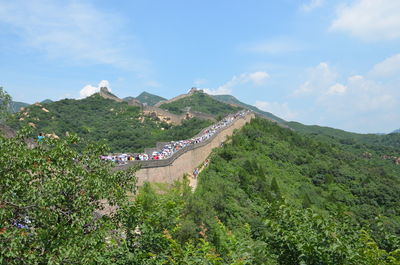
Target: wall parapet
pixel 172 168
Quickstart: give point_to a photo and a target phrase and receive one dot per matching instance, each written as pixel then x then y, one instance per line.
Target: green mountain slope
pixel 119 125
pixel 47 101
pixel 266 161
pixel 232 100
pixel 16 106
pixel 200 102
pixel 275 196
pixel 149 99
pixel 348 138
pixel 268 196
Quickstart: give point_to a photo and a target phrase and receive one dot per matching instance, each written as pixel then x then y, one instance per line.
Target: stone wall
pixel 185 160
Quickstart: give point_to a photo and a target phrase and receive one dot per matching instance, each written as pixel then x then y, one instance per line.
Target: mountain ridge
pixel 233 100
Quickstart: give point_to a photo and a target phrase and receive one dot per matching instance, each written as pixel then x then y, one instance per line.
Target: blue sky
pixel 332 63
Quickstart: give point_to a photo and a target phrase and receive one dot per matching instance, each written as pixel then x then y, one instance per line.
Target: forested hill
pixel 123 127
pixel 269 195
pixel 274 196
pixel 232 100
pixel 200 102
pixel 15 106
pixel 378 141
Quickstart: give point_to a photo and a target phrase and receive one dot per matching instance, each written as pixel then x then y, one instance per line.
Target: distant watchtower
pixel 104 90
pixel 194 90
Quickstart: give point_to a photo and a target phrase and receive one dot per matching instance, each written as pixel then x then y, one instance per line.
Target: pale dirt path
pixel 193 180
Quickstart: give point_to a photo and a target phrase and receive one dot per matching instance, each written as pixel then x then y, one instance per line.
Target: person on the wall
pixel 40 138
pixel 195 172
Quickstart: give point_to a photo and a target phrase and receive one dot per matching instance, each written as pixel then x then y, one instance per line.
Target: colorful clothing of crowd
pixel 174 146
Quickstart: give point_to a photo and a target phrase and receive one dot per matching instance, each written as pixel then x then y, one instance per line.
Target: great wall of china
pixel 185 160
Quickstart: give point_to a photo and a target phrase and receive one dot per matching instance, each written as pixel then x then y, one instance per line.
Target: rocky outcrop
pixel 8 132
pixel 168 117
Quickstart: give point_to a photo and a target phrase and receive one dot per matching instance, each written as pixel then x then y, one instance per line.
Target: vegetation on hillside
pixel 51 199
pixel 269 196
pixel 389 142
pixel 272 196
pixel 254 204
pixel 96 119
pixel 200 102
pixel 229 99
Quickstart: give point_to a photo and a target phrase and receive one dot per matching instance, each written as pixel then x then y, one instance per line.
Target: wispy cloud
pixel 356 103
pixel 74 31
pixel 256 79
pixel 321 76
pixel 390 67
pixel 311 5
pixel 279 109
pixel 374 20
pixel 274 46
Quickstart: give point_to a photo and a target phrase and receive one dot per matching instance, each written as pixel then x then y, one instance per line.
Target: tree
pixel 56 202
pixel 5 101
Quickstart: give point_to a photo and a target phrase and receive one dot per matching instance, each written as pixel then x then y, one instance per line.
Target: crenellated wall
pixel 185 160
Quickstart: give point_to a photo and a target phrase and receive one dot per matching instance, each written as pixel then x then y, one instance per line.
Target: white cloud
pixel 319 77
pixel 388 68
pixel 89 90
pixel 311 5
pixel 74 31
pixel 256 79
pixel 153 84
pixel 200 81
pixel 337 89
pixel 279 109
pixel 367 95
pixel 369 19
pixel 218 91
pixel 358 103
pixel 273 46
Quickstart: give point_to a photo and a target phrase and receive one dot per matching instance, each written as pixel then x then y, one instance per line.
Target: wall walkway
pixel 184 160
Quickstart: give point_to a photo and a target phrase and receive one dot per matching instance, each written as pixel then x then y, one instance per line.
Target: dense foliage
pixel 95 119
pixel 200 102
pixel 324 176
pixel 379 142
pixel 256 203
pixel 5 101
pixel 50 197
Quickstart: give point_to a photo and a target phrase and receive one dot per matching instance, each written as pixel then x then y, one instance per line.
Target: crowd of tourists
pixel 174 146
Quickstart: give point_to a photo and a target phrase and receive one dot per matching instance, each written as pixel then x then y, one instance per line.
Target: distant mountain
pixel 344 137
pixel 149 99
pixel 396 131
pixel 16 106
pixel 97 119
pixel 198 101
pixel 128 98
pixel 47 101
pixel 232 100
